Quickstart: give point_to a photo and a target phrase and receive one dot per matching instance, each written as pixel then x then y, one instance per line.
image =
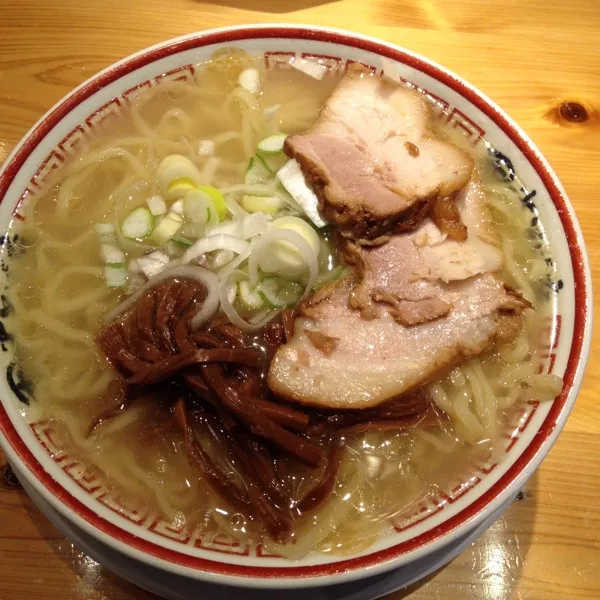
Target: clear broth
pixel 59 298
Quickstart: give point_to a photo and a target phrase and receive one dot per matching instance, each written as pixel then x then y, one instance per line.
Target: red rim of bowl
pixel 347 39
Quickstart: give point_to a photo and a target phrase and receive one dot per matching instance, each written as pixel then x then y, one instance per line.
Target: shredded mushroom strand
pixel 207 278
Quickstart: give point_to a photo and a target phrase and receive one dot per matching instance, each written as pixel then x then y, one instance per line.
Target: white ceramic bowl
pixel 85 503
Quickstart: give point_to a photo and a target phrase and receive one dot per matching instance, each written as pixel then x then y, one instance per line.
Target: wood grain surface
pixel 530 57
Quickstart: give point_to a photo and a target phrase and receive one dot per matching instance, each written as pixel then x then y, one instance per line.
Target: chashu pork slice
pixel 411 319
pixel 373 160
pixel 447 259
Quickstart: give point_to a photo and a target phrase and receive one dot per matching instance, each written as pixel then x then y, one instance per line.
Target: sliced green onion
pixel 293 181
pixel 311 67
pixel 244 227
pixel 233 206
pixel 115 275
pixel 133 267
pixel 290 292
pixel 138 224
pixel 173 249
pixel 221 258
pixel 106 232
pixel 263 255
pixel 249 296
pixel 266 204
pixel 179 188
pixel 199 208
pixel 176 175
pixel 232 292
pixel 153 263
pixel 272 144
pixel 192 231
pixel 217 198
pixel 157 205
pixel 273 162
pixel 230 277
pixel 284 258
pixel 249 79
pixel 111 254
pixel 202 202
pixel 279 293
pixel 167 228
pixel 182 241
pixel 215 242
pixel 177 207
pixel 257 172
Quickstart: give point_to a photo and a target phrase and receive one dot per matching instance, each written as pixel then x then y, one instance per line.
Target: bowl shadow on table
pixel 270 6
pixel 489 568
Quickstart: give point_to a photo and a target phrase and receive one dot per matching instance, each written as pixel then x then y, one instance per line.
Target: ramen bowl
pixel 88 508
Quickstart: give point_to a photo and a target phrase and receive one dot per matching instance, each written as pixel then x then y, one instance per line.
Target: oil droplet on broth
pixel 238 522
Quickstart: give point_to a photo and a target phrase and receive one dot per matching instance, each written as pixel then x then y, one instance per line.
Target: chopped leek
pixel 182 241
pixel 390 70
pixel 221 258
pixel 279 293
pixel 111 254
pixel 177 207
pixel 199 208
pixel 257 172
pixel 106 232
pixel 273 162
pixel 191 230
pixel 272 144
pixel 217 199
pixel 153 263
pixel 311 68
pixel 266 204
pixel 133 267
pixel 249 297
pixel 179 187
pixel 283 258
pixel 245 227
pixel 232 292
pixel 249 79
pixel 176 175
pixel 215 242
pixel 137 224
pixel 292 178
pixel 115 275
pixel 157 205
pixel 173 249
pixel 167 228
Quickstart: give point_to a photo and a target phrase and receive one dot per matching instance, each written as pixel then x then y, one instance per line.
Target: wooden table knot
pixel 573 112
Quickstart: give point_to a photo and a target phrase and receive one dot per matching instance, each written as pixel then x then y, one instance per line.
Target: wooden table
pixel 529 57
